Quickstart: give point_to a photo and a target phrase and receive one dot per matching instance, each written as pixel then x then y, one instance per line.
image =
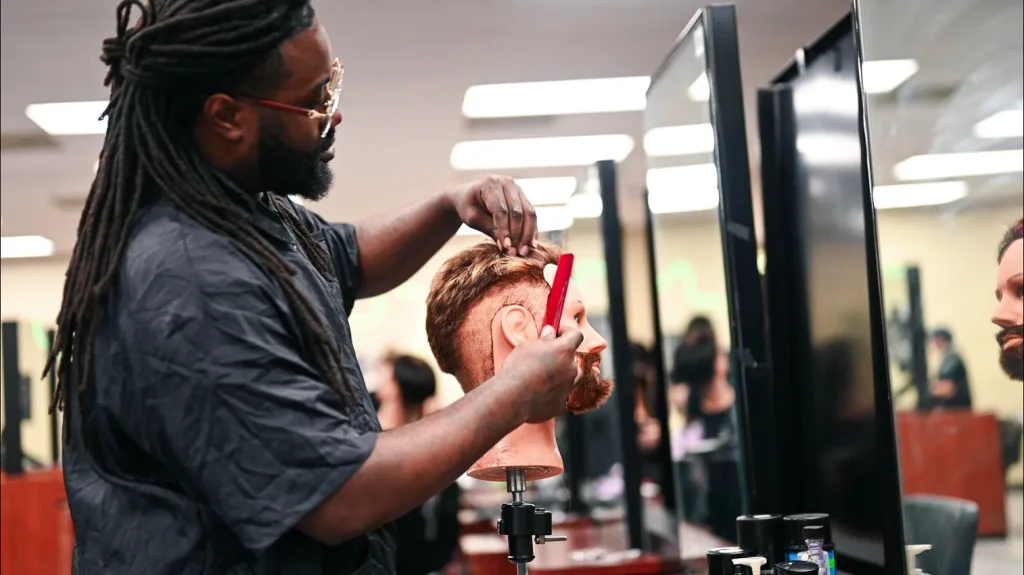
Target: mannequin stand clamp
pixel 523 523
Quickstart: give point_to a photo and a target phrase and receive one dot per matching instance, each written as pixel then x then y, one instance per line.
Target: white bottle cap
pixel 912 552
pixel 754 563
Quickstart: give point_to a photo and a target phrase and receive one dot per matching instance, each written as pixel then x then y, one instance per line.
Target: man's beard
pixel 1012 360
pixel 286 170
pixel 591 391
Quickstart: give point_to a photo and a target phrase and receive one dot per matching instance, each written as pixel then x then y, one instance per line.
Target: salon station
pixel 789 231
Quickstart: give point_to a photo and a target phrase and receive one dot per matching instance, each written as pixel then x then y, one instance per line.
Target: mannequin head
pixel 1009 312
pixel 483 304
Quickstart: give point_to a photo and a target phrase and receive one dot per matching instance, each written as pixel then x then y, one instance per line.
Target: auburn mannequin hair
pixel 1013 234
pixel 464 281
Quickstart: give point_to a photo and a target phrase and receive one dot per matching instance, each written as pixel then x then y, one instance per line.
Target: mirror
pixel 945 110
pixel 693 306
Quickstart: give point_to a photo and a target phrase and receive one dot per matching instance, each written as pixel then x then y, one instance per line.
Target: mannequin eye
pixel 578 318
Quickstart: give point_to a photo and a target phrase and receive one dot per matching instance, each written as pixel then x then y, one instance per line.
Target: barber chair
pixel 949 525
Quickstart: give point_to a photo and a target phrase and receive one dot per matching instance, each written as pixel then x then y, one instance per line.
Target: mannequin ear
pixel 516 325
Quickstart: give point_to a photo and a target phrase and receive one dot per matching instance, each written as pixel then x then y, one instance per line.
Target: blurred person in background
pixel 951 388
pixel 706 450
pixel 1009 312
pixel 428 535
pixel 648 428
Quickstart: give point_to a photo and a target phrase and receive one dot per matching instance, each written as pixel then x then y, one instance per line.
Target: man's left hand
pixel 497 206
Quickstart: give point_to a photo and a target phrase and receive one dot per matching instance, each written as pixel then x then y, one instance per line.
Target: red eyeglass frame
pixel 331 104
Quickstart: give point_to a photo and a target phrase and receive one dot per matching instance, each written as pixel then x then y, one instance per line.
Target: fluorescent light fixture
pixel 961 165
pixel 1006 124
pixel 679 140
pixel 700 89
pixel 548 191
pixel 69 118
pixel 25 247
pixel 915 195
pixel 559 98
pixel 682 189
pixel 549 219
pixel 883 76
pixel 586 205
pixel 540 152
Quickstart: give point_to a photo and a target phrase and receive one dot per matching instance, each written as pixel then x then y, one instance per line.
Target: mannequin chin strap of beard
pixel 523 523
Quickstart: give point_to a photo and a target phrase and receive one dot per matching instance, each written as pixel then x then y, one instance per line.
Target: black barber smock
pixel 208 432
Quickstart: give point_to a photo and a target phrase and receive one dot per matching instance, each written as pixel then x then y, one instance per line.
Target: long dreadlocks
pixel 160 71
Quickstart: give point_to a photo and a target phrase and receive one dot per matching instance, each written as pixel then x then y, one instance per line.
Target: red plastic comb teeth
pixel 559 287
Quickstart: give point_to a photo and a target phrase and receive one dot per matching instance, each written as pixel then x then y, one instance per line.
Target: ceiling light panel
pixel 548 191
pixel 558 98
pixel 69 118
pixel 540 152
pixel 15 247
pixel 679 140
pixel 1006 124
pixel 962 165
pixel 917 195
pixel 549 219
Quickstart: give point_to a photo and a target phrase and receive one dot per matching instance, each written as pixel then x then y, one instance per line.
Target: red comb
pixel 559 287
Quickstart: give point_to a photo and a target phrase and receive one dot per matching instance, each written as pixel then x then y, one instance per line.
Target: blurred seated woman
pixel 427 536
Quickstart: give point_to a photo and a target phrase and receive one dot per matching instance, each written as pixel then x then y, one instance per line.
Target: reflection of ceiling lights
pixel 556 98
pixel 69 118
pixel 884 76
pixel 25 247
pixel 549 219
pixel 586 205
pixel 880 77
pixel 963 165
pixel 680 140
pixel 700 89
pixel 915 195
pixel 1006 124
pixel 825 149
pixel 682 188
pixel 540 152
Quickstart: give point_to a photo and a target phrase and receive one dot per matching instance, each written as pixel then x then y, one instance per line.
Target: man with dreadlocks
pixel 216 418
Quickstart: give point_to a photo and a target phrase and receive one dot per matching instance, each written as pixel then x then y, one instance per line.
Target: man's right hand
pixel 543 372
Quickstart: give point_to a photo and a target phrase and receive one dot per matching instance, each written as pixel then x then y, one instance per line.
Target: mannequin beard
pixel 591 391
pixel 1012 360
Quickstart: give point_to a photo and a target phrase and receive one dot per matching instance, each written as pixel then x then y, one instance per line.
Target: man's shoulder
pixel 165 242
pixel 171 257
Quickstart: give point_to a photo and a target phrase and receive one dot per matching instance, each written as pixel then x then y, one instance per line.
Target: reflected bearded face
pixel 1009 312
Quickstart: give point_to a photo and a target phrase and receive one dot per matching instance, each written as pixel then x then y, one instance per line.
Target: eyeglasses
pixel 330 105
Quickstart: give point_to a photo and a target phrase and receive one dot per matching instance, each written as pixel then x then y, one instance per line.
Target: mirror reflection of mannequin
pixel 1009 312
pixel 1009 317
pixel 426 537
pixel 706 450
pixel 951 388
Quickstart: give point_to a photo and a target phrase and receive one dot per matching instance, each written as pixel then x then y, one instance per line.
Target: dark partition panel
pixel 706 283
pixel 829 362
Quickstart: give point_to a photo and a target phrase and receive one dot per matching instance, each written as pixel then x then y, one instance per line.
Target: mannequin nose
pixel 1004 315
pixel 593 342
